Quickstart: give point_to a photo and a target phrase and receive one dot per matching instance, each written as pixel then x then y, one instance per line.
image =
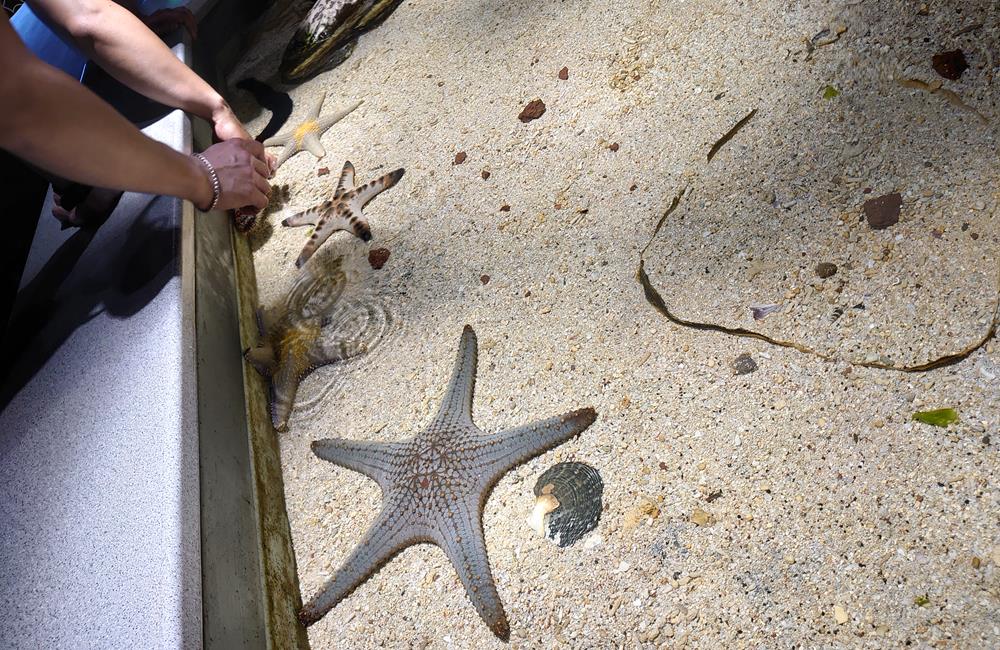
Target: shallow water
pixel 823 499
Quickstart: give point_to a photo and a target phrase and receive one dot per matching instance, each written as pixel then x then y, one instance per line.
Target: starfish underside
pixel 292 340
pixel 342 212
pixel 306 135
pixel 434 489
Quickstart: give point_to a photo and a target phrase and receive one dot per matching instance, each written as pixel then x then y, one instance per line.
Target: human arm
pixel 45 113
pixel 118 40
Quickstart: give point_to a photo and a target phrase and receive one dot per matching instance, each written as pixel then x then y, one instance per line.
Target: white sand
pixel 831 497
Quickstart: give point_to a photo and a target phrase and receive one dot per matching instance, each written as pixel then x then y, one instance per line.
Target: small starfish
pixel 434 488
pixel 306 135
pixel 292 340
pixel 343 212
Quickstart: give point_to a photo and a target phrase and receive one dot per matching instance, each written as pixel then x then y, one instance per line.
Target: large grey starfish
pixel 434 488
pixel 306 135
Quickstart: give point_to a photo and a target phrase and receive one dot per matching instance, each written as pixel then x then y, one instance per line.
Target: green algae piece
pixel 830 92
pixel 921 600
pixel 937 417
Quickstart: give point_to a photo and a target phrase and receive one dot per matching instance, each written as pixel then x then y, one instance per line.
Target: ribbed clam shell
pixel 577 489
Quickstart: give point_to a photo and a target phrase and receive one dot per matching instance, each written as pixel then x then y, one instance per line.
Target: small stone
pixel 883 211
pixel 486 175
pixel 744 364
pixel 613 146
pixel 826 269
pixel 645 509
pixel 484 278
pixel 950 65
pixel 976 562
pixel 534 110
pixel 504 208
pixel 564 73
pixel 702 518
pixel 840 614
pixel 322 171
pixel 377 257
pixel 633 187
pixel 460 158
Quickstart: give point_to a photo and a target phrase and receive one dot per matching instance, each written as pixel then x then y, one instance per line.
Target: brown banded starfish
pixel 306 135
pixel 292 340
pixel 434 489
pixel 343 211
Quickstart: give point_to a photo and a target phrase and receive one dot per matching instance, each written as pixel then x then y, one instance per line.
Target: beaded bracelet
pixel 216 185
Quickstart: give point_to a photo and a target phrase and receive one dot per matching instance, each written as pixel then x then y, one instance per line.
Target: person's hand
pixel 164 21
pixel 243 173
pixel 227 126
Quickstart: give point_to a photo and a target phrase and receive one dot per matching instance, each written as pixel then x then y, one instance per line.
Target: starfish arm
pixel 375 460
pixel 267 319
pixel 465 546
pixel 457 403
pixel 334 349
pixel 284 386
pixel 307 217
pixel 334 220
pixel 310 141
pixel 387 537
pixel 512 447
pixel 324 123
pixel 262 359
pixel 280 139
pixel 315 109
pixel 285 154
pixel 346 182
pixel 362 195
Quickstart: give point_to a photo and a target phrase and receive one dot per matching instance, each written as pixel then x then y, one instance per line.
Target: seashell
pixel 760 312
pixel 567 502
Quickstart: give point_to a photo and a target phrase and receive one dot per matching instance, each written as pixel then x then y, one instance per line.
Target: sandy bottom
pixel 833 519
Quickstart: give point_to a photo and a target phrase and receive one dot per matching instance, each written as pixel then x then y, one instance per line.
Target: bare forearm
pixel 46 114
pixel 115 38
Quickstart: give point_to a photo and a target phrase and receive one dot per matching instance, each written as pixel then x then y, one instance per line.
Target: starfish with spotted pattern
pixel 306 135
pixel 342 212
pixel 434 489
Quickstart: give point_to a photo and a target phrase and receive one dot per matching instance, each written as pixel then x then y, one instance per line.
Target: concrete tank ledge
pixel 141 503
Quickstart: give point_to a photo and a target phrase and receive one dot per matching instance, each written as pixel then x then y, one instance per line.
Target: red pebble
pixel 377 257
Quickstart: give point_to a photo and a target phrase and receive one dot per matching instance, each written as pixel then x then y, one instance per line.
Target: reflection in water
pixel 361 316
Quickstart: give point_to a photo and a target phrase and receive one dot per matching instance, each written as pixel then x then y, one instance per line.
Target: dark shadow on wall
pixel 127 266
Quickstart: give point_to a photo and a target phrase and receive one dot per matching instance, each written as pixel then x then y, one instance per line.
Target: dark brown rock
pixel 883 211
pixel 564 73
pixel 613 146
pixel 950 65
pixel 322 171
pixel 534 110
pixel 484 278
pixel 826 269
pixel 377 257
pixel 486 175
pixel 504 208
pixel 460 158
